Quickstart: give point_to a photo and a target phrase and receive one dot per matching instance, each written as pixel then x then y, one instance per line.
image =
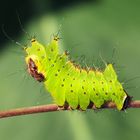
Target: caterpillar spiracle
pixel 69 84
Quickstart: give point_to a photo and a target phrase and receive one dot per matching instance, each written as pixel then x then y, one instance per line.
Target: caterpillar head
pixel 38 56
pixel 35 57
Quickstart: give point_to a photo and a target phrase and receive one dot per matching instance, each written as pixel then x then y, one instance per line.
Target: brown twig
pixel 54 107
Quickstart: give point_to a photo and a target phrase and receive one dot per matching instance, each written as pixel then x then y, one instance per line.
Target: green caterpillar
pixel 69 84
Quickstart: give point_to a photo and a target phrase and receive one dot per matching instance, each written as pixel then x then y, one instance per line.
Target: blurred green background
pixel 89 28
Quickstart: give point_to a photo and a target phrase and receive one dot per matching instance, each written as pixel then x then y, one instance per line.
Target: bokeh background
pixel 90 29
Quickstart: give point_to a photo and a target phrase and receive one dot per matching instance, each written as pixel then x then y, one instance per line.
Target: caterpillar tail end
pixel 127 101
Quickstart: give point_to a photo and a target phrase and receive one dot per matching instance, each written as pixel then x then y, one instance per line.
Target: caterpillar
pixel 68 83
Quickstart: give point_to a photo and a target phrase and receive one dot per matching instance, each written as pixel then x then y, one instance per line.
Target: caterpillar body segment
pixel 67 83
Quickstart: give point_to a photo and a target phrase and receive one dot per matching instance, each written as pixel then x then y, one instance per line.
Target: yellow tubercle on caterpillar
pixel 56 38
pixel 33 40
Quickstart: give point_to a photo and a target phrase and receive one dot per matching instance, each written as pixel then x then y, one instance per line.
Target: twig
pixel 54 107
